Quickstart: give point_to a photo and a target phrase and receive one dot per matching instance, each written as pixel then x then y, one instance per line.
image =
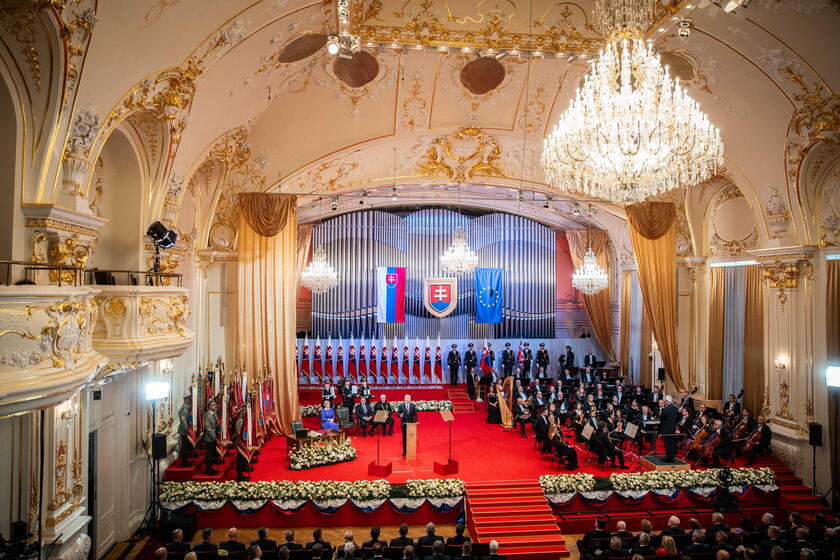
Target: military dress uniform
pixel 508 361
pixel 453 360
pixel 187 450
pixel 543 359
pixel 527 360
pixel 470 361
pixel 242 465
pixel 209 438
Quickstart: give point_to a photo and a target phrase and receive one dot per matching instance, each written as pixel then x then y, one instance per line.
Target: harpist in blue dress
pixel 328 417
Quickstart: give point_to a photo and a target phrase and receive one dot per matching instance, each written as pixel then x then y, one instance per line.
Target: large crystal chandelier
pixel 458 258
pixel 631 131
pixel 319 276
pixel 589 278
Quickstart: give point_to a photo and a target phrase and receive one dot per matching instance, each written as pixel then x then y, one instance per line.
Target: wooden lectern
pixel 450 467
pixel 410 441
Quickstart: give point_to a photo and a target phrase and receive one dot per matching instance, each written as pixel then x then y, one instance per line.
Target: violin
pixel 709 446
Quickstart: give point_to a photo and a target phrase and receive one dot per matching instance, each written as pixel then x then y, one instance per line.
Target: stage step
pixel 502 501
pixel 511 520
pixel 520 531
pixel 501 484
pixel 553 553
pixel 513 492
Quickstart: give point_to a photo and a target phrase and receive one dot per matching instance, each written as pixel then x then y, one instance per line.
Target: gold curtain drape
pixel 597 305
pixel 833 356
pixel 626 305
pixel 647 376
pixel 753 341
pixel 652 232
pixel 267 291
pixel 714 352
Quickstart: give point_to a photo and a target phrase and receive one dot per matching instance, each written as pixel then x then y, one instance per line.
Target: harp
pixel 504 405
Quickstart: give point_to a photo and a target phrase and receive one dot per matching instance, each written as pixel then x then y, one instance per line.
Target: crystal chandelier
pixel 458 258
pixel 319 276
pixel 589 278
pixel 631 131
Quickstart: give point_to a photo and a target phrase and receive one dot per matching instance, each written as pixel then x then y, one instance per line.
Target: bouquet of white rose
pixel 312 410
pixel 564 483
pixel 319 454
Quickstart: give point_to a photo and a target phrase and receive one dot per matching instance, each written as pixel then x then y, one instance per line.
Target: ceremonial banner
pixel 485 364
pixel 339 364
pixel 383 361
pixel 440 295
pixel 438 362
pixel 488 295
pixel 351 361
pixel 363 368
pixel 427 362
pixel 406 363
pixel 395 361
pixel 417 369
pixel 390 290
pixel 328 362
pixel 318 363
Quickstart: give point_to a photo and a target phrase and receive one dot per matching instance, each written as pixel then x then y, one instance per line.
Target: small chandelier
pixel 458 258
pixel 319 276
pixel 631 131
pixel 589 278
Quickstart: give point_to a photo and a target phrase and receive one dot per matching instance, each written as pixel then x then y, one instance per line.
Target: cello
pixel 709 446
pixel 752 440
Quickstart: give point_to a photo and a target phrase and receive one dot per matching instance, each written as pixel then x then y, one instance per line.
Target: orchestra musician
pixel 655 395
pixel 589 360
pixel 569 359
pixel 508 360
pixel 702 429
pixel 604 448
pixel 685 423
pixel 576 420
pixel 757 441
pixel 565 453
pixel 646 416
pixel 686 401
pixel 731 406
pixel 542 357
pixel 536 401
pixel 744 427
pixel 723 449
pixel 541 424
pixel 521 414
pixel 542 377
pixel 588 376
pixel 470 362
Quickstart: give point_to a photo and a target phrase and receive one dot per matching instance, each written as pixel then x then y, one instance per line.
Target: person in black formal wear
pixel 731 406
pixel 521 415
pixel 453 360
pixel 621 531
pixel 437 552
pixel 161 553
pixel 388 425
pixel 669 416
pixel 407 411
pixel 698 543
pixel 565 452
pixel 724 448
pixel 459 537
pixel 718 524
pixel 589 359
pixel 289 541
pixel 614 551
pixel 466 552
pixel 722 542
pixel 402 541
pixel 673 527
pixel 527 359
pixel 267 545
pixel 598 533
pixel 365 412
pixel 604 447
pixel 177 546
pixel 569 360
pixel 205 545
pixel 317 539
pixel 232 544
pixel 470 362
pixel 374 538
pixel 429 538
pixel 378 549
pixel 364 390
pixel 763 442
pixel 644 548
pixel 540 424
pixel 508 360
pixel 328 393
pixel 493 548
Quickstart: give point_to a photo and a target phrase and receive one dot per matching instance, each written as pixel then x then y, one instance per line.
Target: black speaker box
pixel 18 530
pixel 158 446
pixel 300 434
pixel 661 374
pixel 815 434
pixel 171 521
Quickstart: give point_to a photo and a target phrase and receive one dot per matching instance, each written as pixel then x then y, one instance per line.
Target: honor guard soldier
pixel 527 359
pixel 508 359
pixel 542 357
pixel 187 450
pixel 470 361
pixel 242 463
pixel 453 360
pixel 209 438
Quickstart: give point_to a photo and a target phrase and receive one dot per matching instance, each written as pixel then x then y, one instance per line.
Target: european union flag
pixel 488 295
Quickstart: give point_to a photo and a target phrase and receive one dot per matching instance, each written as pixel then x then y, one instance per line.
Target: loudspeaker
pixel 18 531
pixel 158 446
pixel 97 395
pixel 814 434
pixel 300 434
pixel 171 521
pixel 661 374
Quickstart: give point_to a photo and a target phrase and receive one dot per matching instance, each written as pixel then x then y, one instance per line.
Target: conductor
pixel 407 412
pixel 669 416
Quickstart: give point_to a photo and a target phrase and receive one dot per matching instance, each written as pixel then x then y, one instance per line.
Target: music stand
pixel 655 432
pixel 374 468
pixel 451 466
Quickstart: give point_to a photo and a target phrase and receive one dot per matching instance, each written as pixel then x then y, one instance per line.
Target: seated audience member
pixel 378 549
pixel 692 525
pixel 673 527
pixel 614 551
pixel 374 538
pixel 774 538
pixel 644 548
pixel 408 553
pixel 621 531
pixel 721 555
pixel 190 556
pixel 402 541
pixel 459 537
pixel 317 551
pixel 717 524
pixel 646 529
pixel 493 547
pixel 795 522
pixel 177 546
pixel 801 540
pixel 807 554
pixel 466 552
pixel 817 532
pixel 205 545
pixel 232 544
pixel 289 541
pixel 776 553
pixel 346 550
pixel 437 552
pixel 317 539
pixel 267 546
pixel 430 538
pixel 698 543
pixel 722 542
pixel 161 554
pixel 668 547
pixel 598 533
pixel 254 553
pixel 766 521
pixel 283 553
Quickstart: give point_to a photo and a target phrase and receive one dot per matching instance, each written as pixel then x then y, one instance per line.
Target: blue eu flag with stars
pixel 488 295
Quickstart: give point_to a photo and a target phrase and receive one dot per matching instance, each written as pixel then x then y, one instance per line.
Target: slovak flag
pixel 406 363
pixel 318 364
pixel 438 362
pixel 304 363
pixel 351 360
pixel 395 360
pixel 328 360
pixel 484 364
pixel 383 360
pixel 427 361
pixel 390 290
pixel 520 356
pixel 363 370
pixel 339 365
pixel 417 368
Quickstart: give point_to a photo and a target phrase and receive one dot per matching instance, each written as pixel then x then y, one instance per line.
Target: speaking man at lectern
pixel 408 415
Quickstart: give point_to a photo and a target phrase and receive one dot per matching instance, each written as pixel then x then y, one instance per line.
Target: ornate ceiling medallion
pixel 462 155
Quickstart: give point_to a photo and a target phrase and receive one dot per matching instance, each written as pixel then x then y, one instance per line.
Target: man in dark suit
pixel 429 538
pixel 453 360
pixel 388 425
pixel 521 415
pixel 644 548
pixel 374 538
pixel 459 537
pixel 177 546
pixel 599 533
pixel 364 412
pixel 673 527
pixel 493 547
pixel 508 360
pixel 669 416
pixel 319 540
pixel 698 544
pixel 718 524
pixel 470 361
pixel 289 541
pixel 589 359
pixel 437 552
pixel 205 545
pixel 569 360
pixel 402 541
pixel 763 442
pixel 731 406
pixel 407 412
pixel 233 544
pixel 267 545
pixel 541 428
pixel 603 447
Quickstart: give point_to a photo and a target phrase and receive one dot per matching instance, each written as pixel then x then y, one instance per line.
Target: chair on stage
pixel 295 426
pixel 343 416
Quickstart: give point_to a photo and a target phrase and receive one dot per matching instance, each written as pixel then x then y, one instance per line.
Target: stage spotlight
pixel 394 193
pixel 547 203
pixel 161 236
pixel 332 44
pixel 334 204
pixel 576 209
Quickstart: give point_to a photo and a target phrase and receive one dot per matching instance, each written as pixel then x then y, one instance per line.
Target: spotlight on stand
pixel 154 392
pixel 162 238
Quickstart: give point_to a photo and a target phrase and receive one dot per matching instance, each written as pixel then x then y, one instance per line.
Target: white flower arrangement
pixel 563 483
pixel 708 478
pixel 314 410
pixel 286 490
pixel 319 454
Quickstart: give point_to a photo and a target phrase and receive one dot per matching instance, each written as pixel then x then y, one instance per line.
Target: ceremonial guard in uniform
pixel 453 360
pixel 527 359
pixel 209 438
pixel 187 450
pixel 542 358
pixel 242 465
pixel 470 361
pixel 508 359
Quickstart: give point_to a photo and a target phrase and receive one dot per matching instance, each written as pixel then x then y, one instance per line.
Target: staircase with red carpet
pixel 461 403
pixel 794 495
pixel 517 515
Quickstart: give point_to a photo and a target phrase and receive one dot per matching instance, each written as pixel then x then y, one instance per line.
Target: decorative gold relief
pixel 462 155
pixel 58 225
pixel 19 20
pixel 781 276
pixel 71 252
pixel 165 317
pixel 52 521
pixel 784 401
pixel 414 112
pixel 765 405
pixel 114 308
pixel 61 492
pixel 168 265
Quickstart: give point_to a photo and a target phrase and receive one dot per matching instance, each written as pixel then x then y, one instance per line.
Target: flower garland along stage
pixel 561 489
pixel 319 454
pixel 310 410
pixel 326 495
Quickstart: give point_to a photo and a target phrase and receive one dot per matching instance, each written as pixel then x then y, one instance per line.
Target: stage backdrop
pixel 358 242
